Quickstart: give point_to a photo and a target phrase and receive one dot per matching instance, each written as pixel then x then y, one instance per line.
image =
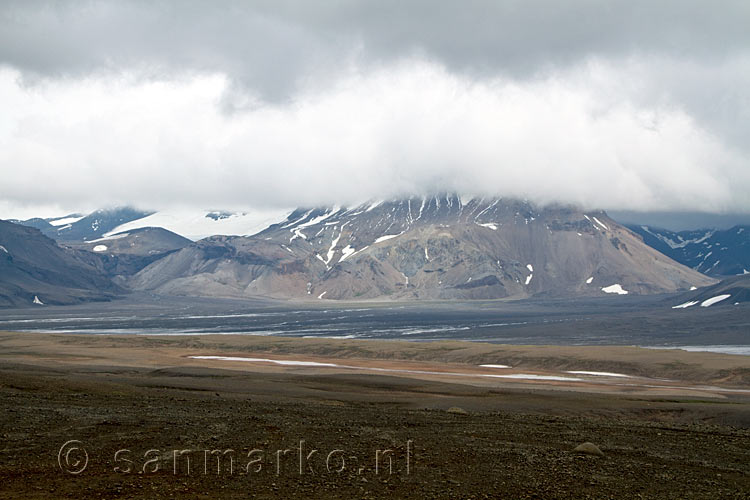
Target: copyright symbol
pixel 73 457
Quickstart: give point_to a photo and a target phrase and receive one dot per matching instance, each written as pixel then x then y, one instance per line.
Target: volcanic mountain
pixel 439 247
pixel 35 270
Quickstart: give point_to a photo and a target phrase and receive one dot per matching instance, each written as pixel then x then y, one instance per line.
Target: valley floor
pixel 679 427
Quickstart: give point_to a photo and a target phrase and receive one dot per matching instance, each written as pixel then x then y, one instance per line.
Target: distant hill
pixel 124 254
pixel 731 291
pixel 35 270
pixel 713 252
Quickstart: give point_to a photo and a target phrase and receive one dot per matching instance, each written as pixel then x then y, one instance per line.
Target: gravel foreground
pixel 313 434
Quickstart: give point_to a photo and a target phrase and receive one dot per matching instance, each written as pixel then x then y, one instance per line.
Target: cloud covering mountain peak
pixel 633 106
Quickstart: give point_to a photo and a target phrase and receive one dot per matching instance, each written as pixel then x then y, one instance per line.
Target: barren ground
pixel 679 427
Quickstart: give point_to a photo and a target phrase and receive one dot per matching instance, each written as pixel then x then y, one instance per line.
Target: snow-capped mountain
pixel 712 252
pixel 439 247
pixel 76 227
pixel 199 224
pixel 192 224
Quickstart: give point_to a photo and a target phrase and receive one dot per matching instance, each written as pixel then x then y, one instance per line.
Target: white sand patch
pixel 530 267
pixel 488 225
pixel 37 301
pixel 714 300
pixel 494 366
pixel 322 294
pixel 588 281
pixel 100 248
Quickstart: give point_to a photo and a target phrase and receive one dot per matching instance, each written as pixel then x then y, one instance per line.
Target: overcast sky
pixel 622 105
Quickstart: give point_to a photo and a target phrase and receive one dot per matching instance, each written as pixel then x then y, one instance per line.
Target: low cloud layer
pixel 627 105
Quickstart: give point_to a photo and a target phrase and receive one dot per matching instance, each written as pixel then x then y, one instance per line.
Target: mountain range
pixel 714 252
pixel 191 224
pixel 77 227
pixel 440 247
pixel 437 247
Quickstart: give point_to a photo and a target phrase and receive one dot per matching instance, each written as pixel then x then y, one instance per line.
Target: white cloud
pixel 593 134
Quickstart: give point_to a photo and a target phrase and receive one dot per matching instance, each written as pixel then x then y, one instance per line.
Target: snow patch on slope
pixel 387 237
pixel 65 221
pixel 346 253
pixel 682 243
pixel 600 223
pixel 714 300
pixel 685 305
pixel 616 288
pixel 196 225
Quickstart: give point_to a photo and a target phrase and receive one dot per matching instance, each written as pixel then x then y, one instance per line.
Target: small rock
pixel 457 410
pixel 588 449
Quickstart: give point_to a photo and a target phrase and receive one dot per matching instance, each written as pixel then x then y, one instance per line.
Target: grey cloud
pixel 268 44
pixel 271 49
pixel 678 68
